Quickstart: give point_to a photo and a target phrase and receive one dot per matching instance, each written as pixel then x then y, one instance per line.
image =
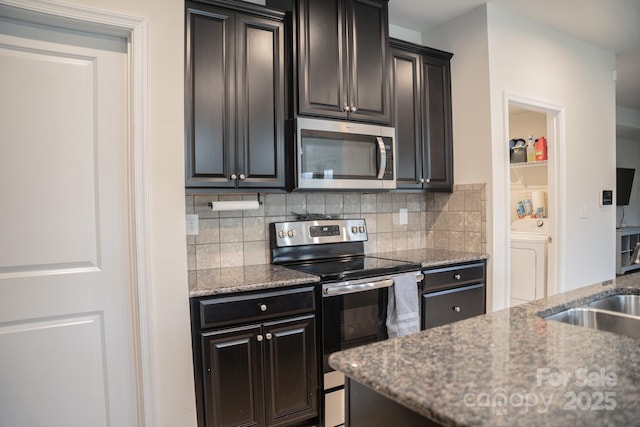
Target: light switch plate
pixel 193 226
pixel 584 213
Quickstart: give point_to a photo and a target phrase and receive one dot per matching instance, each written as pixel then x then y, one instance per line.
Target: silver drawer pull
pixel 259 338
pixel 268 335
pixel 263 307
pixel 457 276
pixel 456 308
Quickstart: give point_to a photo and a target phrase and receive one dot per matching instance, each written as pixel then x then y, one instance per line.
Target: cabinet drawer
pixel 242 308
pixel 453 276
pixel 448 306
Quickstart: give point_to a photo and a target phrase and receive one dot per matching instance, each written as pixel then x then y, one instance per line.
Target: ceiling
pixel 611 24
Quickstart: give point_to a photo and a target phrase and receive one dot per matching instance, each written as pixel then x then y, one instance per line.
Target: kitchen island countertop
pixel 510 368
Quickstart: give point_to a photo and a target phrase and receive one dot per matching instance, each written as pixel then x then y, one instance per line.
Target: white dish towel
pixel 403 310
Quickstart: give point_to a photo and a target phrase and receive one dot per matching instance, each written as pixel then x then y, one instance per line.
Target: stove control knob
pixel 282 234
pixel 362 229
pixel 354 229
pixel 292 233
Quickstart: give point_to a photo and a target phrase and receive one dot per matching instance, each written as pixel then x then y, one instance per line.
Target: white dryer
pixel 529 241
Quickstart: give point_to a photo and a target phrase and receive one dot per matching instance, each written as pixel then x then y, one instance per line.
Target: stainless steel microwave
pixel 336 155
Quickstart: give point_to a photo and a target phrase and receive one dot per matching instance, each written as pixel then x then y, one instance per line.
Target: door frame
pixel 555 114
pixel 134 30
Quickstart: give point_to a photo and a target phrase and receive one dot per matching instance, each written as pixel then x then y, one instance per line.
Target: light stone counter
pixel 510 368
pixel 434 257
pixel 217 281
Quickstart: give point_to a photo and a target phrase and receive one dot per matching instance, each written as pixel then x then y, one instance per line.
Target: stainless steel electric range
pixel 354 289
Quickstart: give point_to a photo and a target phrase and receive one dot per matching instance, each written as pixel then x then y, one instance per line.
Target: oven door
pixel 352 315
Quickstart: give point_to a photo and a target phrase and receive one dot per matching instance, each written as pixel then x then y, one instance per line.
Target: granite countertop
pixel 510 367
pixel 227 280
pixel 434 257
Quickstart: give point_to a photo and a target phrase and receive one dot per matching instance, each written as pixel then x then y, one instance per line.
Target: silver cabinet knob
pixel 263 307
pixel 242 176
pixel 346 108
pixel 428 180
pixel 233 177
pixel 456 308
pixel 421 180
pixel 353 109
pixel 268 336
pixel 457 276
pixel 259 337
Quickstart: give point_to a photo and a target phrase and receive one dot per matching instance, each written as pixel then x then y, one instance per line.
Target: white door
pixel 66 338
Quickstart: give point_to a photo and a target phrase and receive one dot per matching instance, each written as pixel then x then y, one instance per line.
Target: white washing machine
pixel 529 241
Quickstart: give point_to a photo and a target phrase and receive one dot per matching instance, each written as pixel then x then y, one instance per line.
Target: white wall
pixel 173 372
pixel 528 59
pixel 466 37
pixel 405 34
pixel 628 156
pixel 497 52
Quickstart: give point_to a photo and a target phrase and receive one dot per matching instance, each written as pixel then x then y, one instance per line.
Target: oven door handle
pixel 338 289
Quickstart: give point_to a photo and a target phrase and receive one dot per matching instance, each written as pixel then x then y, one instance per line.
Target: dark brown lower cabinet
pixel 453 293
pixel 260 375
pixel 233 385
pixel 255 359
pixel 368 408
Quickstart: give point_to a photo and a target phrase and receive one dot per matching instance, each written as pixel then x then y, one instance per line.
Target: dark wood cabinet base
pixel 367 408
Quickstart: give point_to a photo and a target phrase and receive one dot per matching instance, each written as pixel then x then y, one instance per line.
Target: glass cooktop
pixel 354 267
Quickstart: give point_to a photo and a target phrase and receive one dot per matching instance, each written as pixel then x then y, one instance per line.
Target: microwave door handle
pixel 383 157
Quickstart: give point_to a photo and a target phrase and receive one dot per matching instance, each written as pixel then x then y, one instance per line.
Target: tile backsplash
pixel 455 221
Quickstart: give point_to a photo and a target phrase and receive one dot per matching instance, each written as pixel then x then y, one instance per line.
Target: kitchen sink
pixel 627 304
pixel 602 320
pixel 619 314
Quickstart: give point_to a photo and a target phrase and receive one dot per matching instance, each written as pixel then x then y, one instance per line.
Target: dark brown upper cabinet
pixel 234 96
pixel 342 58
pixel 422 117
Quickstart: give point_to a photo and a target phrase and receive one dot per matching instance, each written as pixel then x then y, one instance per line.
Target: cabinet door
pixel 443 307
pixel 209 97
pixel 369 83
pixel 232 371
pixel 291 376
pixel 437 138
pixel 407 117
pixel 261 102
pixel 322 69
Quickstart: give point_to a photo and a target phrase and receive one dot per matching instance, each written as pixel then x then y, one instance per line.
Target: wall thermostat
pixel 606 198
